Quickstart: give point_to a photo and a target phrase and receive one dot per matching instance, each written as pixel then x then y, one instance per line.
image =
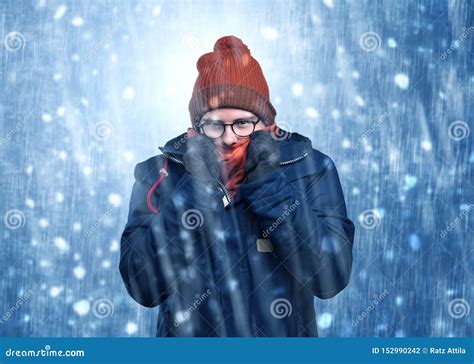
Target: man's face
pixel 227 116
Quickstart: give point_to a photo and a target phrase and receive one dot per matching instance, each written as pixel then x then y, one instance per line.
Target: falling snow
pixel 131 328
pixel 82 307
pixel 90 91
pixel 60 11
pixel 401 80
pixel 79 272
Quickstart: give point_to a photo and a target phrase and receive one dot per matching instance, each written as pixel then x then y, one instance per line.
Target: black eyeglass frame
pixel 200 124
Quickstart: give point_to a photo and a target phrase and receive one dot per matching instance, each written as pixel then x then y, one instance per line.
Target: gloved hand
pixel 263 155
pixel 201 159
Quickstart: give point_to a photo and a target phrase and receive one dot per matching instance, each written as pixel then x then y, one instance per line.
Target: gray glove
pixel 263 155
pixel 201 159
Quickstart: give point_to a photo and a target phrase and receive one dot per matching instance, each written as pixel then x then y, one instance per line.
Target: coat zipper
pixel 294 160
pixel 289 162
pixel 221 185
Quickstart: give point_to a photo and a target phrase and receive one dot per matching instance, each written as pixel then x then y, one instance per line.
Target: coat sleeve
pixel 156 247
pixel 310 231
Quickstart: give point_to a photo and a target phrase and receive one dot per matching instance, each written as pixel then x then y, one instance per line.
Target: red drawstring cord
pixel 163 173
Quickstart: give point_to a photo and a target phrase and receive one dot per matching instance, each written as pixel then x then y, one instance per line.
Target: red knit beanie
pixel 230 77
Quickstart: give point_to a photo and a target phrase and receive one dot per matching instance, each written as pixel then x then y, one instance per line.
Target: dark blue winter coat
pixel 248 267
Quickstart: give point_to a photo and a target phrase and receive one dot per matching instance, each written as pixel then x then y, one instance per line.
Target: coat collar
pixel 292 145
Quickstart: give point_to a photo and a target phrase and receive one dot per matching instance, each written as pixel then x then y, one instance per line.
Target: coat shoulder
pixel 296 145
pixel 314 162
pixel 321 161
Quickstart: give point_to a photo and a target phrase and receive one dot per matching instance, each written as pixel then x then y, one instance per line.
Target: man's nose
pixel 229 138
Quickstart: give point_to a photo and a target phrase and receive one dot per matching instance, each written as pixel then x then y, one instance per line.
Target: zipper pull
pixel 225 200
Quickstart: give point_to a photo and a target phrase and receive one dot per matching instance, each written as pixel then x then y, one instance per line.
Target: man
pixel 238 224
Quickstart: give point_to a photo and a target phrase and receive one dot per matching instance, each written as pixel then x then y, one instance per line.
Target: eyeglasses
pixel 216 128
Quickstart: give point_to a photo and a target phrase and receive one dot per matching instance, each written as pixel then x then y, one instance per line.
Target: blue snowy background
pixel 89 89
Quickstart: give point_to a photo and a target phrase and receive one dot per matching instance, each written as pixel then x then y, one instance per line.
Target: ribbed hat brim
pixel 231 96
